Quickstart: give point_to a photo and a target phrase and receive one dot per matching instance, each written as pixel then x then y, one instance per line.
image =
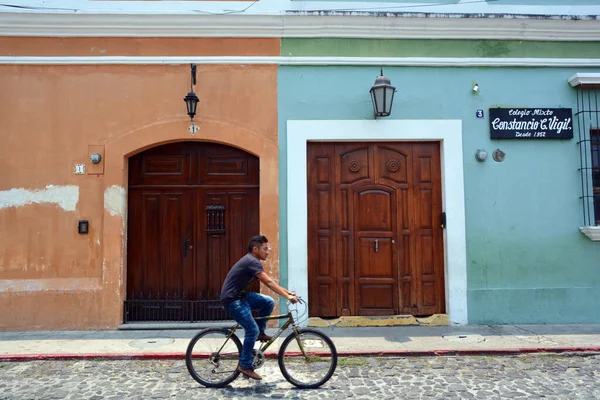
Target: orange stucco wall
pixel 92 46
pixel 53 116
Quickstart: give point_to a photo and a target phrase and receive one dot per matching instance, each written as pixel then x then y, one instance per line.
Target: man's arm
pixel 271 284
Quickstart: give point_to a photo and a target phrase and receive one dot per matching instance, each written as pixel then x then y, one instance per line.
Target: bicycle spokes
pixel 212 357
pixel 307 359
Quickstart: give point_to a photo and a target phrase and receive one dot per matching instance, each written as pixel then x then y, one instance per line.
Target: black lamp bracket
pixel 193 71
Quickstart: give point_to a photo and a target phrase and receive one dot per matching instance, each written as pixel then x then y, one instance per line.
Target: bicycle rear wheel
pixel 309 368
pixel 212 359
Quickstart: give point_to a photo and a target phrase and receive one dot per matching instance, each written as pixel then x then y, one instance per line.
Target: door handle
pixel 376 245
pixel 186 245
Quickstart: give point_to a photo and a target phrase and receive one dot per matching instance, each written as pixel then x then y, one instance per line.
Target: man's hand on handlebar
pixel 292 298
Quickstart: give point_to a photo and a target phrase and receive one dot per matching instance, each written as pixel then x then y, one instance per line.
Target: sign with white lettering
pixel 531 123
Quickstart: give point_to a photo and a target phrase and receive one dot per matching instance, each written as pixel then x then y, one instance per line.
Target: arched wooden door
pixel 374 229
pixel 191 209
pixel 376 279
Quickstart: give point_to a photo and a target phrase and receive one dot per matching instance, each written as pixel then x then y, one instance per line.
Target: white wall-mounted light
pixel 476 88
pixel 95 158
pixel 481 155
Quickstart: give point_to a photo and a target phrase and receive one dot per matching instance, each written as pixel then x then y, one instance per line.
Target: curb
pixel 371 353
pixel 471 352
pixel 93 356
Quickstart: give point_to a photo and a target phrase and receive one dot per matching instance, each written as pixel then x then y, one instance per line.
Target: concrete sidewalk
pixel 366 341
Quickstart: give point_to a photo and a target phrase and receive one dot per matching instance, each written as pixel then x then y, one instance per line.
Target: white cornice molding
pixel 341 61
pixel 299 26
pixel 584 79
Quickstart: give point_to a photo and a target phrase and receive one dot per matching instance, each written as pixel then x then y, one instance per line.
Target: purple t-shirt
pixel 241 274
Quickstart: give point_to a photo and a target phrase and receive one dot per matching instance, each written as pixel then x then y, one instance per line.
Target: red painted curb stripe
pixel 468 352
pixel 92 356
pixel 373 353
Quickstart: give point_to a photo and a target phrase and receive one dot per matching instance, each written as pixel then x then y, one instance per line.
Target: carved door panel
pixel 374 240
pixel 227 220
pixel 428 255
pixel 375 247
pixel 329 278
pixel 160 259
pixel 394 163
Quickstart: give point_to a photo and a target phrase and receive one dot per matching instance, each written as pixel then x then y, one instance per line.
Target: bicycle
pixel 307 358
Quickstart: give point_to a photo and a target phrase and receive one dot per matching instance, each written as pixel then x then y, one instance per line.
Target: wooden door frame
pixel 114 218
pixel 447 132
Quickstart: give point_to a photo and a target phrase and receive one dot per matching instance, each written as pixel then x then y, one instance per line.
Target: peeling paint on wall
pixel 114 200
pixel 66 197
pixel 54 284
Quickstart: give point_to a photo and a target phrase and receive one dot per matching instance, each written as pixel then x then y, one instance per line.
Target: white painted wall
pixel 448 132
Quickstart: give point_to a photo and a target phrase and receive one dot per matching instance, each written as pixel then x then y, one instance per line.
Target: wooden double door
pixel 375 240
pixel 191 209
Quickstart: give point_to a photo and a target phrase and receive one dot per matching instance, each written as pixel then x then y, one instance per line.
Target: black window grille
pixel 587 120
pixel 150 307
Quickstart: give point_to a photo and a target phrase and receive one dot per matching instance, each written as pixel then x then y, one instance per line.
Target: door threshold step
pixel 388 320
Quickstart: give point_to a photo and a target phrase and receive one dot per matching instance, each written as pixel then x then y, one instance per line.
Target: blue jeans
pixel 241 311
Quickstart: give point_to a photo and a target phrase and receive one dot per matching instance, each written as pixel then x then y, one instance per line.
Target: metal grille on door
pixel 215 218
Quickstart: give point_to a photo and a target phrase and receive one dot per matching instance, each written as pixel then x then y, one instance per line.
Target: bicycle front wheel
pixel 212 357
pixel 307 360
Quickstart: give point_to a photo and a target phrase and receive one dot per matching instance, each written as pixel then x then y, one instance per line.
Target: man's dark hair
pixel 256 241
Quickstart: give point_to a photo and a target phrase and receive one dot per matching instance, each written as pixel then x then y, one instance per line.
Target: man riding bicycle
pixel 239 303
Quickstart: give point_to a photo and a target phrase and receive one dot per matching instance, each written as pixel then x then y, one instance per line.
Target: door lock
pixel 187 246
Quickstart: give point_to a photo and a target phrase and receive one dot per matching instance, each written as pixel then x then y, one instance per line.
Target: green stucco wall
pixel 527 262
pixel 336 47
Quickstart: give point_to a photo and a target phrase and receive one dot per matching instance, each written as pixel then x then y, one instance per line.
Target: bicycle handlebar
pixel 302 301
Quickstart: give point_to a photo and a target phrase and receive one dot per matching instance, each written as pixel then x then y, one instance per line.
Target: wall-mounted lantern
pixel 191 100
pixel 382 95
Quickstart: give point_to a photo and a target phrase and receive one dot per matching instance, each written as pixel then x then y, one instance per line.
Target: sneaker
pixel 264 338
pixel 249 373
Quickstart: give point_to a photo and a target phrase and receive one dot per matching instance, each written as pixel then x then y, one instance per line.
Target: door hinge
pixel 443 220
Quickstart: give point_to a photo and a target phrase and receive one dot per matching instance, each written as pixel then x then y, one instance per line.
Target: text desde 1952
pixel 531 123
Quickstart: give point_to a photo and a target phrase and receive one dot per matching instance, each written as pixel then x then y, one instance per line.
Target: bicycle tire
pixel 200 360
pixel 291 359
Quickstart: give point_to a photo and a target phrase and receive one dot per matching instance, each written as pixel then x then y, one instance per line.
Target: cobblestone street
pixel 548 376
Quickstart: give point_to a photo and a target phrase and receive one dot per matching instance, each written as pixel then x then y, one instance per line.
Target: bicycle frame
pixel 213 363
pixel 264 347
